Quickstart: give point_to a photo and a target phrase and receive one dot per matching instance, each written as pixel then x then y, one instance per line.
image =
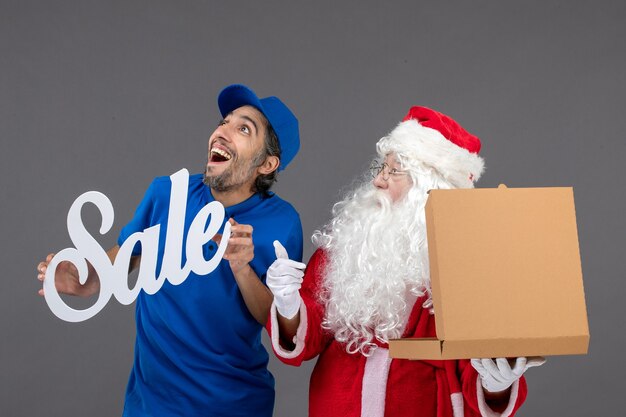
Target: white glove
pixel 284 279
pixel 498 376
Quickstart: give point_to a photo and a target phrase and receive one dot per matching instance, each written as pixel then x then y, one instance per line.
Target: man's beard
pixel 378 266
pixel 238 173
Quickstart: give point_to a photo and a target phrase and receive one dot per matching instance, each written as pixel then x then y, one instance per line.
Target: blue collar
pixel 239 208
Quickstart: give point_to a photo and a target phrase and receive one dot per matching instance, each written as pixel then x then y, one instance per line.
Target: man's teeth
pixel 221 153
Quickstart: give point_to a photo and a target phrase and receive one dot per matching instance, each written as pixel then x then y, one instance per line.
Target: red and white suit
pixel 353 385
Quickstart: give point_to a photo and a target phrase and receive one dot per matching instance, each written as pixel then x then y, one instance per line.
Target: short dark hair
pixel 271 147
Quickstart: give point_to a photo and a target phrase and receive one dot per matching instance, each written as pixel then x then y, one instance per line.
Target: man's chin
pixel 215 182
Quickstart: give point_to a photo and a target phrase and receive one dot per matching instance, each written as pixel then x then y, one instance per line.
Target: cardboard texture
pixel 505 273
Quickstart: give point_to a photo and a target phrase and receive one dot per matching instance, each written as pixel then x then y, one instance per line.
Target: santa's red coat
pixel 353 385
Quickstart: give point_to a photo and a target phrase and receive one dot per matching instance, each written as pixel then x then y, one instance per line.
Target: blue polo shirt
pixel 198 349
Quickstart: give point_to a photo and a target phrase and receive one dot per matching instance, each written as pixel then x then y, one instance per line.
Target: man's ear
pixel 270 165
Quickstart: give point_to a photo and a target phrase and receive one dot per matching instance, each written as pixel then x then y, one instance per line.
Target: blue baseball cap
pixel 275 111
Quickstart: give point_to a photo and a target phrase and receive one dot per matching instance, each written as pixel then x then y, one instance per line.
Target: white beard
pixel 378 266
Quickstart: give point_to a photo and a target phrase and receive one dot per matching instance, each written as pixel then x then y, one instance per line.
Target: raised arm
pixel 239 254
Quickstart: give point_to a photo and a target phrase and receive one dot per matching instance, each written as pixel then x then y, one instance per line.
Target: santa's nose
pixel 379 182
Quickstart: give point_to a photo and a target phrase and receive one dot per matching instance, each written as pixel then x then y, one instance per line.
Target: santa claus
pixel 369 282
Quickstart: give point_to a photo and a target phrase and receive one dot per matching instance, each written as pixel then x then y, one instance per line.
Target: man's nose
pixel 222 131
pixel 379 182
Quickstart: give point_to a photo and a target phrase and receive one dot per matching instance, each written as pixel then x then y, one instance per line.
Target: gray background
pixel 106 95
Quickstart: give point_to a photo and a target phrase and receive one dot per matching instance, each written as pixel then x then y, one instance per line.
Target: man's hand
pixel 240 250
pixel 66 278
pixel 284 279
pixel 498 376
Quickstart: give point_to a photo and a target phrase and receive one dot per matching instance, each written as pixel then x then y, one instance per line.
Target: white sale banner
pixel 114 276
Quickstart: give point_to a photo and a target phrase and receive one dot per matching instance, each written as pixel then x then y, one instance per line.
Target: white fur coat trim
pixel 374 386
pixel 298 339
pixel 488 412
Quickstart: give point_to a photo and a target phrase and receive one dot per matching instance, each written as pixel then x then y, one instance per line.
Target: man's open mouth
pixel 219 155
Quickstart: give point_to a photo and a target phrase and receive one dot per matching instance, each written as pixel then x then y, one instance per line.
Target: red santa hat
pixel 435 140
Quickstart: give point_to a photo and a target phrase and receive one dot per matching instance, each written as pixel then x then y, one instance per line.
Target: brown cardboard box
pixel 506 275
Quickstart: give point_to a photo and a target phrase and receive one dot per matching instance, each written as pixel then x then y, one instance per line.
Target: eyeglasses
pixel 376 168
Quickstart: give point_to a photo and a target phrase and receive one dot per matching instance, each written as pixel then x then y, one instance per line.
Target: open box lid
pixel 505 274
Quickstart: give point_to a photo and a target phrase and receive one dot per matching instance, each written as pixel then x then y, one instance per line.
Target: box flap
pixel 505 264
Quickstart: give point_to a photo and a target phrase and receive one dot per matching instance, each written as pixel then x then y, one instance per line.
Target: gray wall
pixel 106 95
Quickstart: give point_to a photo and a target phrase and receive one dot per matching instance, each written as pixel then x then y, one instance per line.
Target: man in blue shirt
pixel 198 349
